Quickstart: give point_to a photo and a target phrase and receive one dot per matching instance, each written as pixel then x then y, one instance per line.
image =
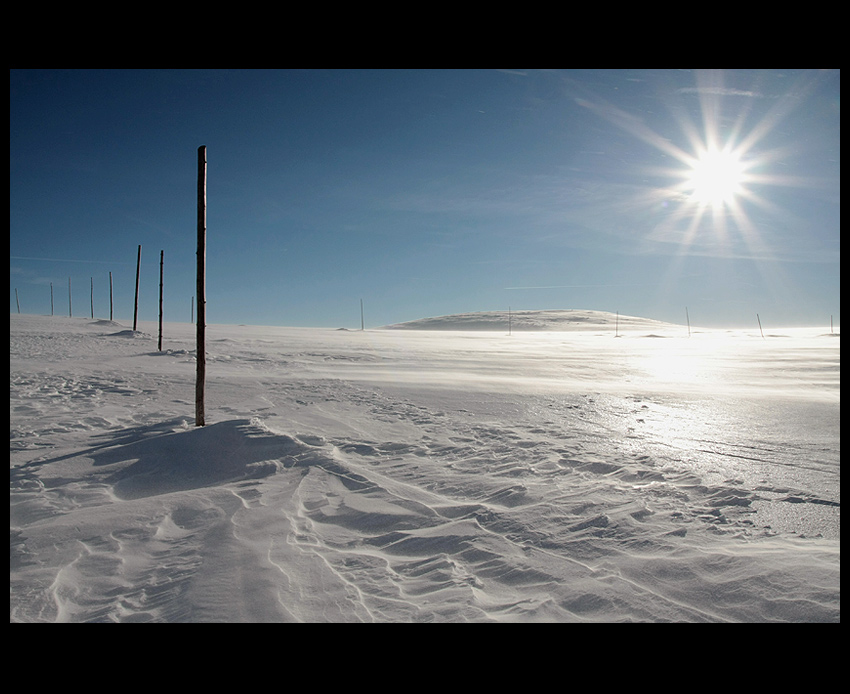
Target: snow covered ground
pixel 439 471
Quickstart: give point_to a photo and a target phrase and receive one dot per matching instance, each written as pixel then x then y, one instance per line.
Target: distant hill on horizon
pixel 532 320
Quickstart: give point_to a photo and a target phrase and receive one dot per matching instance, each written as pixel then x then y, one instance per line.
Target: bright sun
pixel 714 172
pixel 715 177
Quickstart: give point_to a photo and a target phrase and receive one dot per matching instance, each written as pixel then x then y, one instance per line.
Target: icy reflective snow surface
pixel 404 475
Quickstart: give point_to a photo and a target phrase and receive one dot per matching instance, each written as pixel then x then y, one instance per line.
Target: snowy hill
pixel 536 320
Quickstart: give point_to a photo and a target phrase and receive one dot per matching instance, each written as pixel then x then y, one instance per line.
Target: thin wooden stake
pixel 161 259
pixel 136 306
pixel 110 296
pixel 91 297
pixel 16 300
pixel 51 298
pixel 760 330
pixel 201 357
pixel 687 315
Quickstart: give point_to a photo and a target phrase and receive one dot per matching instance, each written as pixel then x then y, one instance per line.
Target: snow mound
pixel 534 320
pixel 131 335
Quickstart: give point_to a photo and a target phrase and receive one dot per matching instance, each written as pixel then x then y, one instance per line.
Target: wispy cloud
pixel 68 260
pixel 719 91
pixel 581 286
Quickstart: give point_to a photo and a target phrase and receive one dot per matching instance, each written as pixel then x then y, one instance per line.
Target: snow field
pixel 404 475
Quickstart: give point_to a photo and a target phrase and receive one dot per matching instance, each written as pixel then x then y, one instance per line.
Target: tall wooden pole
pixel 17 300
pixel 161 259
pixel 136 306
pixel 51 298
pixel 91 297
pixel 110 296
pixel 201 356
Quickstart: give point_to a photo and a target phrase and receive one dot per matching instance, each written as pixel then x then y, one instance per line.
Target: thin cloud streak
pixel 719 91
pixel 69 260
pixel 579 286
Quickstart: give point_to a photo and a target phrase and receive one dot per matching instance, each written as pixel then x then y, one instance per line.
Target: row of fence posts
pixel 111 303
pixel 201 290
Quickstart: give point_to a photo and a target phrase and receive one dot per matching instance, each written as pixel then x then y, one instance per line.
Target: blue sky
pixel 427 192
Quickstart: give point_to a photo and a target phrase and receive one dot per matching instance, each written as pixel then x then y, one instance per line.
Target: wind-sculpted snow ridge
pixel 330 485
pixel 534 320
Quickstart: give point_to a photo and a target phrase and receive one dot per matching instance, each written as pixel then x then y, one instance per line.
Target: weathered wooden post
pixel 136 307
pixel 161 258
pixel 201 357
pixel 110 296
pixel 51 298
pixel 17 301
pixel 91 297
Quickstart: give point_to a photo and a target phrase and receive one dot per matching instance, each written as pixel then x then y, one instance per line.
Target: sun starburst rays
pixel 713 186
pixel 710 189
pixel 714 167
